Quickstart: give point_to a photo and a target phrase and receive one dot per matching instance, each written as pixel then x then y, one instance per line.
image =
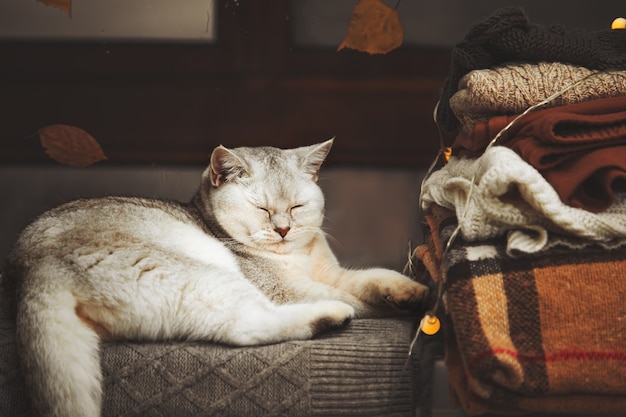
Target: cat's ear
pixel 315 156
pixel 225 166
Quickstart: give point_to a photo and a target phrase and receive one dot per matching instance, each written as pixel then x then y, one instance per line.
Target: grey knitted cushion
pixel 356 371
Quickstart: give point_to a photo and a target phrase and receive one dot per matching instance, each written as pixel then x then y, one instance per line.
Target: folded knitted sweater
pixel 511 89
pixel 579 148
pixel 507 36
pixel 510 197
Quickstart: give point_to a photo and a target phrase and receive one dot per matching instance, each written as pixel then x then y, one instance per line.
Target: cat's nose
pixel 282 231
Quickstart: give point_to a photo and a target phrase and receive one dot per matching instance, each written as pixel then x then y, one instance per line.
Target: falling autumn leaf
pixel 375 28
pixel 65 5
pixel 70 145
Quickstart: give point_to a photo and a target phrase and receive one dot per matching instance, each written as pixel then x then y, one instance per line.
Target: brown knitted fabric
pixel 580 148
pixel 507 36
pixel 511 89
pixel 539 333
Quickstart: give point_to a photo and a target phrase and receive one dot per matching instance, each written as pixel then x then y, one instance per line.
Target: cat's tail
pixel 59 356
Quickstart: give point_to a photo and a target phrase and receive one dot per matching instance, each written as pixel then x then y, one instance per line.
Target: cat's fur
pixel 244 263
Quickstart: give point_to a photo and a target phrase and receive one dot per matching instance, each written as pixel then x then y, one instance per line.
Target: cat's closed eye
pixel 265 210
pixel 295 207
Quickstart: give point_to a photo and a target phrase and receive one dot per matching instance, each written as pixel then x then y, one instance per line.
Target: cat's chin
pixel 282 247
pixel 285 247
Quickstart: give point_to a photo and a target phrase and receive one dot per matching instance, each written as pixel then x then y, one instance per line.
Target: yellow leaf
pixel 65 5
pixel 375 28
pixel 70 145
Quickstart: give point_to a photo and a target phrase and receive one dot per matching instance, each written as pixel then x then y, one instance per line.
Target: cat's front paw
pixel 402 293
pixel 333 315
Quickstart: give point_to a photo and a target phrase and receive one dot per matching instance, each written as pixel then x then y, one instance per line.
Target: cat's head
pixel 267 198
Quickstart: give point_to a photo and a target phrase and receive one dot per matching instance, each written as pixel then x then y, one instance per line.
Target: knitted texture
pixel 507 36
pixel 539 333
pixel 511 89
pixel 356 371
pixel 511 197
pixel 579 148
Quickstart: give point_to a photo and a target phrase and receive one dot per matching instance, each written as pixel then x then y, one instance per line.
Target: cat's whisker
pixel 322 232
pixel 331 237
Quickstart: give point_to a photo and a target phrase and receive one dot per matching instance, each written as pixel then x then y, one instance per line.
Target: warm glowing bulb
pixel 431 325
pixel 619 23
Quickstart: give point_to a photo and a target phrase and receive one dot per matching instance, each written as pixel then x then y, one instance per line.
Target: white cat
pixel 244 263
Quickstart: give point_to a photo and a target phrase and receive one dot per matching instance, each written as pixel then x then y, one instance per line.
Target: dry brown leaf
pixel 375 28
pixel 65 5
pixel 70 145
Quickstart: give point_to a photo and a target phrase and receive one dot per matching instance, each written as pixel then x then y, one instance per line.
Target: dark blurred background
pixel 159 84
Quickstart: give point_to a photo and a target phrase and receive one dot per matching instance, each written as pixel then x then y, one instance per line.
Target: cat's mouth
pixel 284 242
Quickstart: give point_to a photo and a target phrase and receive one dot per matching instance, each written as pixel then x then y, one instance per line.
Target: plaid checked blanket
pixel 537 333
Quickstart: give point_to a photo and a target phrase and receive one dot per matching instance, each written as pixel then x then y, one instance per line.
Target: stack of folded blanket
pixel 537 333
pixel 535 280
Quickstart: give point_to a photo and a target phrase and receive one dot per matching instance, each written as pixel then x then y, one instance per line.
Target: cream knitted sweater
pixel 511 89
pixel 510 197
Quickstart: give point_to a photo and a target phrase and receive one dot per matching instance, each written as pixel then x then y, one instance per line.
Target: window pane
pixel 143 20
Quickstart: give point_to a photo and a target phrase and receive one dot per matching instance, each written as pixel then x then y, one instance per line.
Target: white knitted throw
pixel 511 89
pixel 511 197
